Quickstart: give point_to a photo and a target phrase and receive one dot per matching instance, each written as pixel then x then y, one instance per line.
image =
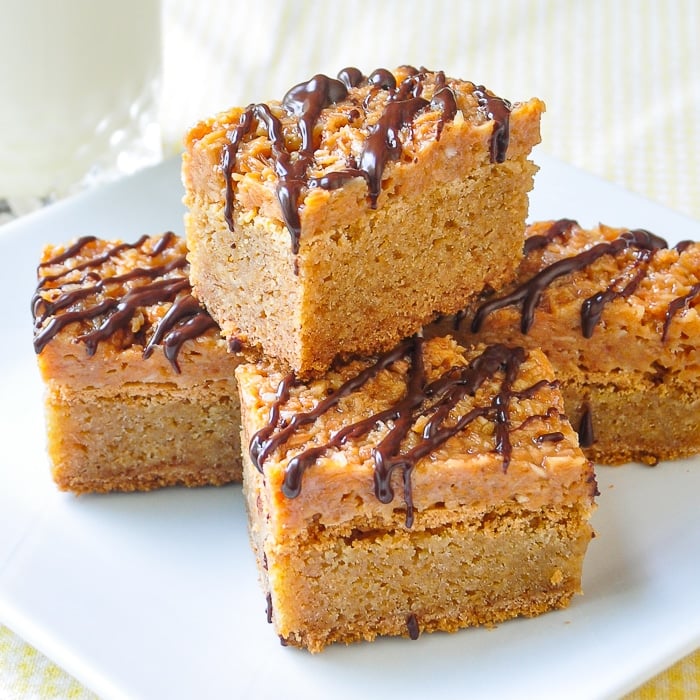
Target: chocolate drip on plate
pixel 412 626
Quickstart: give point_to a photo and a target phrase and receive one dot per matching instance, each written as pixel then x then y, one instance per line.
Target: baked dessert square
pixel 430 488
pixel 615 311
pixel 139 386
pixel 342 218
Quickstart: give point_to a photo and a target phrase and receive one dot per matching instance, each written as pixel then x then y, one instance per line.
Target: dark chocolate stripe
pixel 549 437
pixel 163 243
pixel 337 178
pixel 678 305
pixel 383 79
pixel 228 159
pixel 265 441
pixel 55 324
pixel 42 308
pixel 592 308
pixel 444 100
pixel 350 77
pixel 498 109
pixel 69 252
pixel 184 320
pixel 556 230
pixel 384 143
pixel 412 626
pixel 90 262
pixel 682 246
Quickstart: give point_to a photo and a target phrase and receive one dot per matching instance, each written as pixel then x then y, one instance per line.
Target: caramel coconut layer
pixel 140 390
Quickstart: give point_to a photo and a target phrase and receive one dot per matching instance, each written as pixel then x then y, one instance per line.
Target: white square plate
pixel 156 596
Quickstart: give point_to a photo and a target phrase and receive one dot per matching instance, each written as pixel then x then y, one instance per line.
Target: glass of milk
pixel 79 94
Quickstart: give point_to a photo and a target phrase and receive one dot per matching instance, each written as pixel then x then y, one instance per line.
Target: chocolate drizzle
pixel 586 436
pixel 383 79
pixel 185 319
pixel 678 305
pixel 305 103
pixel 528 294
pixel 350 77
pixel 498 109
pixel 73 250
pixel 384 141
pixel 228 159
pixel 592 308
pixel 444 100
pixel 556 436
pixel 108 303
pixel 437 400
pixel 557 230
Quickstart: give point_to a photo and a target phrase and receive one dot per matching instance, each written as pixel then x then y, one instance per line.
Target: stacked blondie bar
pixel 396 483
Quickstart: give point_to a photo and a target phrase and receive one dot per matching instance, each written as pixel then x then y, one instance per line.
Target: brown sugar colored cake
pixel 342 218
pixel 140 388
pixel 615 312
pixel 431 488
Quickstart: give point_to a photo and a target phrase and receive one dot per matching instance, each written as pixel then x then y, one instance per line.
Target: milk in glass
pixel 79 88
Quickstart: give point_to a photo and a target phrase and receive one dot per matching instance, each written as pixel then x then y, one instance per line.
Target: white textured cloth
pixel 621 79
